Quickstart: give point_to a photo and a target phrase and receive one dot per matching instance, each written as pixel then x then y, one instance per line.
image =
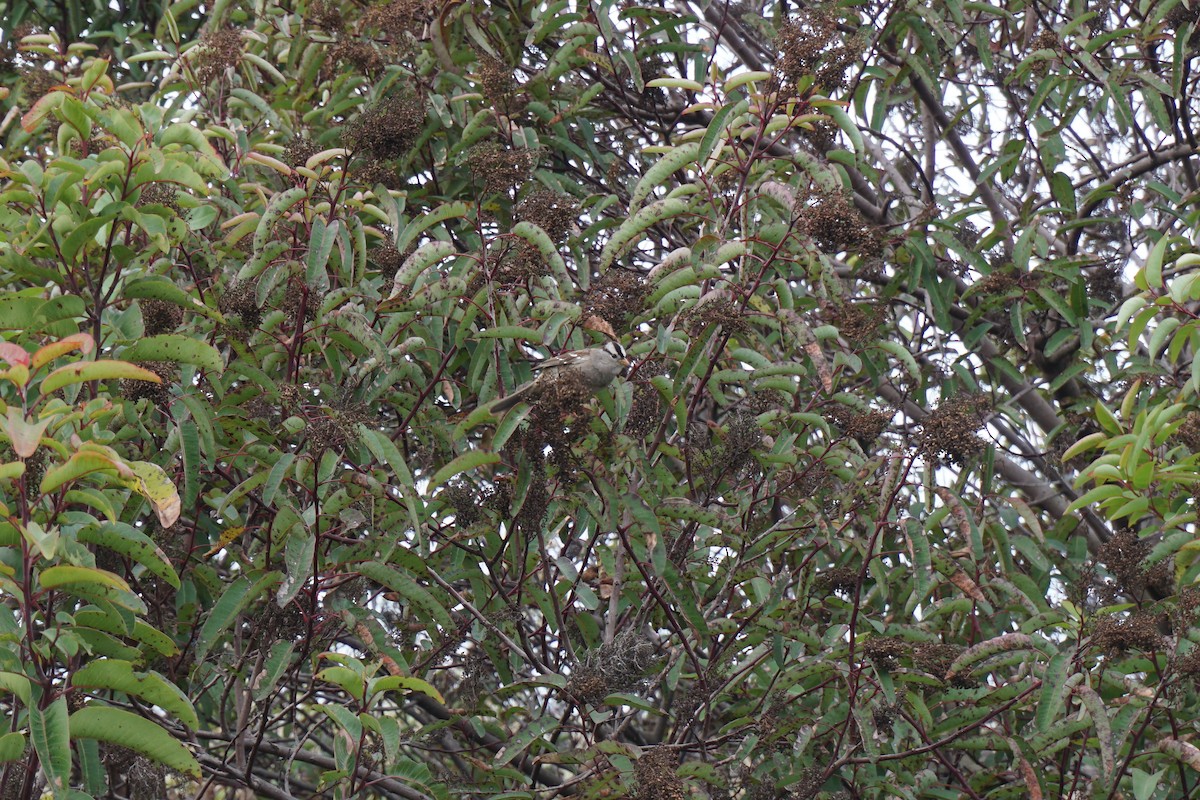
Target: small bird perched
pixel 591 369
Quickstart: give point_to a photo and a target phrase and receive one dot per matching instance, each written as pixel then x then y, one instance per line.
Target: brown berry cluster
pixel 37 82
pixel 1189 432
pixel 532 513
pixel 388 259
pixel 163 194
pixel 401 17
pixel 1104 283
pixel 885 651
pixel 1002 281
pixel 159 394
pixel 333 428
pixel 836 226
pixel 159 316
pixel 656 778
pixel 297 298
pixel 497 81
pixel 821 134
pixel 812 45
pixel 936 657
pixel 363 56
pixel 1124 555
pixel 285 624
pixel 616 296
pixel 1138 631
pixel 864 426
pixel 520 262
pixel 552 211
pixel 132 775
pixel 326 15
pixel 857 322
pixel 735 454
pixel 838 579
pixel 950 431
pixel 387 129
pixel 720 311
pixel 497 168
pixel 218 51
pixel 240 301
pixel 646 411
pixel 299 151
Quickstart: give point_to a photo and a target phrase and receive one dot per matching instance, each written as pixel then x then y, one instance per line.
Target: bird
pixel 592 369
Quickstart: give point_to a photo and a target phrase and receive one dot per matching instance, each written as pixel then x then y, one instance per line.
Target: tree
pixel 896 500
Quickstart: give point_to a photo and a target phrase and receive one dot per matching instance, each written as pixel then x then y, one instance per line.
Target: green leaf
pixel 716 127
pixel 12 747
pixel 131 543
pixel 176 348
pixel 51 737
pixel 279 204
pixel 407 587
pixel 120 676
pixel 237 596
pixel 635 226
pixel 472 459
pixel 91 584
pixel 79 464
pixel 120 727
pixel 189 446
pixel 662 170
pixel 400 683
pixel 96 371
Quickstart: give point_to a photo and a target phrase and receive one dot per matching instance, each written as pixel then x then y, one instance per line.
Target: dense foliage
pixel 897 498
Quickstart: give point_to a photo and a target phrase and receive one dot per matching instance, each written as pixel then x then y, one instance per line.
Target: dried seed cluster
pixel 864 426
pixel 159 394
pixel 363 56
pixel 299 151
pixel 387 129
pixel 821 134
pixel 1104 283
pixel 388 259
pixel 735 453
pixel 720 311
pixel 1125 557
pixel 858 322
pixel 837 226
pixel 497 168
pixel 617 295
pixel 656 778
pixel 158 193
pixel 936 657
pixel 950 431
pixel 520 262
pixel 838 579
pixel 326 15
pixel 240 301
pixel 646 411
pixel 401 17
pixel 332 428
pixel 552 211
pixel 1003 280
pixel 812 45
pixel 159 316
pixel 1138 631
pixel 499 85
pixel 885 651
pixel 219 51
pixel 299 296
